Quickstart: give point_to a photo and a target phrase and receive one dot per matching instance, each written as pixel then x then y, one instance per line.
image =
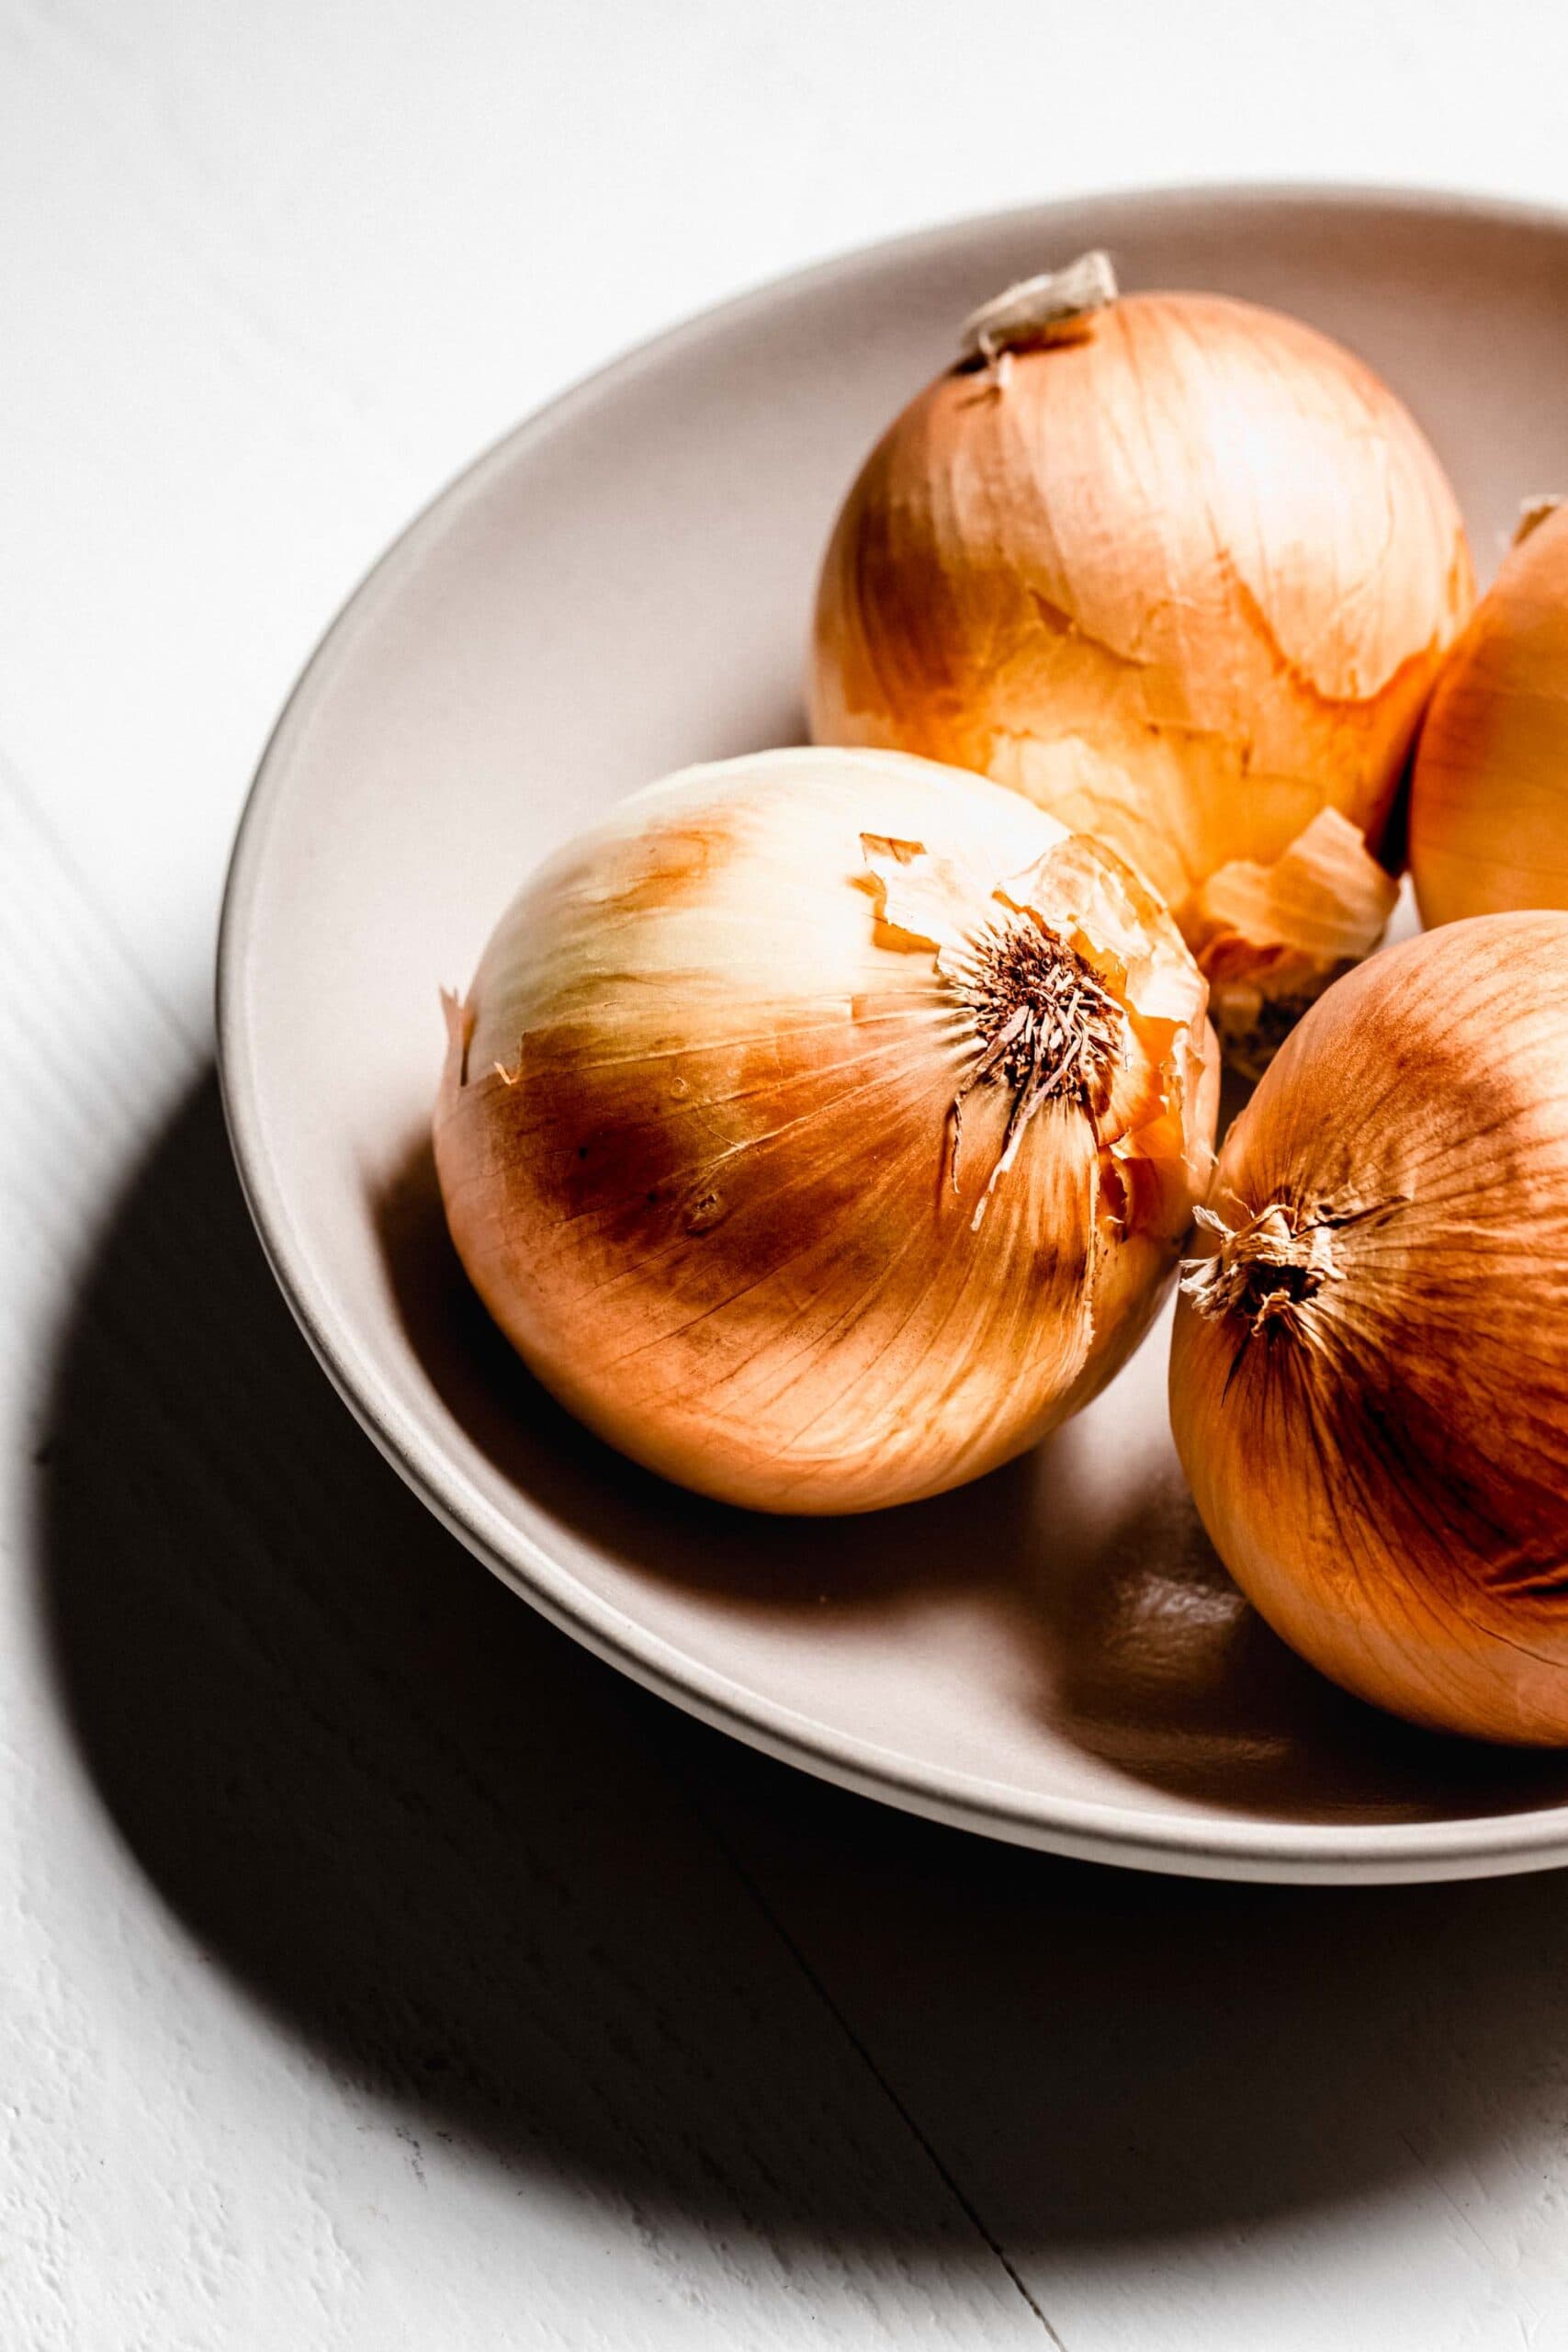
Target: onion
pixel 1180 569
pixel 1489 794
pixel 1369 1379
pixel 824 1125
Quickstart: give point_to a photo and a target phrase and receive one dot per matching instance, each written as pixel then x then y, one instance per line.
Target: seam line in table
pixel 820 1987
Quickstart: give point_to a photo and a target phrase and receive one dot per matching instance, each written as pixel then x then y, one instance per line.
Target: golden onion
pixel 822 1127
pixel 1489 792
pixel 1369 1378
pixel 1181 570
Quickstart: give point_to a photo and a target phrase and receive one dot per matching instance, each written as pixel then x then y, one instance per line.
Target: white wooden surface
pixel 379 1972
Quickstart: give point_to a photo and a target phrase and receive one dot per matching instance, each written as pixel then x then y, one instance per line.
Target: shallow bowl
pixel 1054 1655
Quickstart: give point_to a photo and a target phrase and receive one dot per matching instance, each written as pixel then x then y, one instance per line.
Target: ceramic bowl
pixel 623 586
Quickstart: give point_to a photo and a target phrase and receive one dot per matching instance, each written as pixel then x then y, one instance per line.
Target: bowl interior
pixel 623 587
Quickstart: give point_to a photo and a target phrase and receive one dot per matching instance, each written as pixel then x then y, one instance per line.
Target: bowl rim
pixel 1205 1845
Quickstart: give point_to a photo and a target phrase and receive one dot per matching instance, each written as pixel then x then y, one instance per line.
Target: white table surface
pixel 377 1970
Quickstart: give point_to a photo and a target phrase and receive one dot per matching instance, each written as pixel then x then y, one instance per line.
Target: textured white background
pixel 378 1972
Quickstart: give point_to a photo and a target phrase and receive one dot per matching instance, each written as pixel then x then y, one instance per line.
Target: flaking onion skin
pixel 697 1146
pixel 1369 1378
pixel 1184 579
pixel 1489 790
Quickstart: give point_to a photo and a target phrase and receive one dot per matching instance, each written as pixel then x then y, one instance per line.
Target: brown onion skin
pixel 1489 790
pixel 798 1329
pixel 1395 1499
pixel 1202 547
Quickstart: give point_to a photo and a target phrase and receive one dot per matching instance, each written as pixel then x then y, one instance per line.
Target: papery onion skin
pixel 1184 581
pixel 1489 789
pixel 694 1135
pixel 1369 1378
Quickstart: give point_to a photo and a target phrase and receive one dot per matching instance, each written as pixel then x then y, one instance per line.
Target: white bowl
pixel 1054 1655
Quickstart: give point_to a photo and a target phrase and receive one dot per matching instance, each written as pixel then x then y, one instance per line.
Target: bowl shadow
pixel 495 1884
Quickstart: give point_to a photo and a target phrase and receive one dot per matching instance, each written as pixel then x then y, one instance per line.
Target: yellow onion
pixel 1181 570
pixel 823 1126
pixel 1369 1380
pixel 1489 793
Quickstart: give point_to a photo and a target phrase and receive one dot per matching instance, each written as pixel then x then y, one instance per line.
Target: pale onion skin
pixel 1185 581
pixel 1489 792
pixel 1383 1466
pixel 693 1135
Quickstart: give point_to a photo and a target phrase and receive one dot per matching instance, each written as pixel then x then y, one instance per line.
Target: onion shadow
pixel 1140 1650
pixel 1148 1658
